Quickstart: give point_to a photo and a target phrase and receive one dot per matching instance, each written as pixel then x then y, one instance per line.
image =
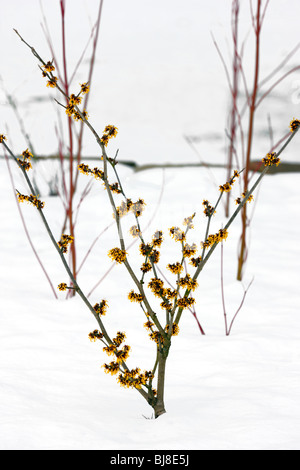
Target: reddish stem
pixel 257 29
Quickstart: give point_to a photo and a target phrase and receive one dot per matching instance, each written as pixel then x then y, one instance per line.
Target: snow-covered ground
pixel 158 78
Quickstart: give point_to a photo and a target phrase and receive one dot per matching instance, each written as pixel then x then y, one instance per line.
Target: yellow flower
pixel 134 297
pixel 294 124
pixel 64 241
pixel 138 207
pixel 118 340
pixel 74 100
pixel 177 234
pixel 70 109
pixel 52 82
pixel 189 250
pixel 187 282
pixel 118 255
pixel 188 221
pixel 225 188
pixel 25 163
pixel 122 354
pixel 208 209
pixel 146 267
pixel 196 261
pixel 215 238
pixel 111 131
pixel 104 140
pixel 175 268
pixel 156 286
pixel 239 200
pixel 110 350
pixel 49 67
pixel 157 238
pixel 93 336
pixel 271 159
pixel 185 302
pixel 101 307
pixel 134 231
pixel 84 88
pixel 111 368
pixel 32 199
pixel 62 286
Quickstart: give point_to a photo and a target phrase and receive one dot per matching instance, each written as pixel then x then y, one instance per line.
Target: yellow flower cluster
pixel 25 162
pixel 72 111
pixel 74 101
pixel 120 354
pixel 227 186
pixel 118 340
pixel 85 88
pixel 32 199
pixel 189 250
pixel 156 337
pixel 156 286
pixel 118 255
pixel 109 132
pixel 175 268
pixel 2 138
pixel 149 251
pixel 111 368
pixel 129 378
pixel 64 241
pixel 135 207
pixel 188 221
pixel 86 170
pixel 166 305
pixel 134 379
pixel 134 297
pixel 115 188
pixel 100 308
pixel 177 234
pixel 52 82
pixel 215 238
pixel 294 124
pixel 134 231
pixel 98 175
pixel 185 302
pixel 146 267
pixel 187 282
pixel 62 286
pixel 157 238
pixel 196 261
pixel 47 70
pixel 271 159
pixel 94 335
pixel 124 207
pixel 138 207
pixel 208 209
pixel 49 67
pixel 239 199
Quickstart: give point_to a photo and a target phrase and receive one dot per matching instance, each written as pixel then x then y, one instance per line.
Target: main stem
pixel 162 355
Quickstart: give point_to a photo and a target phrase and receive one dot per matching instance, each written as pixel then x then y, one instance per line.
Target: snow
pixel 234 392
